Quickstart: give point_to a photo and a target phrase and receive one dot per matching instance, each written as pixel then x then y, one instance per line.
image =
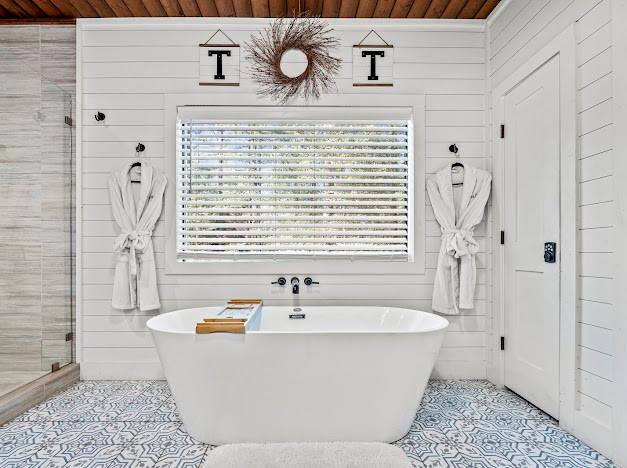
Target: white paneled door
pixel 531 222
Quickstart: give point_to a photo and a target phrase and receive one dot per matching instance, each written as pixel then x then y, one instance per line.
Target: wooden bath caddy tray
pixel 232 319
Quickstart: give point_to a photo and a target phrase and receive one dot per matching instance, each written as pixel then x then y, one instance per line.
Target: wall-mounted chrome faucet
pixel 308 281
pixel 281 281
pixel 295 285
pixel 295 282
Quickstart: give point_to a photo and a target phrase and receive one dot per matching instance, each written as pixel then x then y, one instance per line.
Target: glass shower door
pixel 36 227
pixel 57 227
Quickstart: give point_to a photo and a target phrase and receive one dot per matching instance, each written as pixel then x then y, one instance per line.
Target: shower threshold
pixel 22 397
pixel 12 380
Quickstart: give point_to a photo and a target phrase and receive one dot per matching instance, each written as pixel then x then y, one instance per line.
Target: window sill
pixel 336 267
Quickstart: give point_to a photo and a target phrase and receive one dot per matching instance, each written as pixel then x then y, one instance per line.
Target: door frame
pixel 564 46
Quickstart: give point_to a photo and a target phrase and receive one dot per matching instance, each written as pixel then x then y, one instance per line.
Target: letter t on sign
pixel 373 61
pixel 218 64
pixel 373 64
pixel 219 53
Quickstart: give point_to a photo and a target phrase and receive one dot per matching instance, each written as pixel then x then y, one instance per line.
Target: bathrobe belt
pixel 135 242
pixel 459 242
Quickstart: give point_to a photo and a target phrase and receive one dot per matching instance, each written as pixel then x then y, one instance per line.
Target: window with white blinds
pixel 281 187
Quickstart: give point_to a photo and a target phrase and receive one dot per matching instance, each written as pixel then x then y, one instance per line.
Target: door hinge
pixel 69 336
pixel 55 366
pixel 502 237
pixel 68 121
pixel 502 131
pixel 502 343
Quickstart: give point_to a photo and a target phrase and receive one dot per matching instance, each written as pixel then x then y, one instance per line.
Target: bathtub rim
pixel 440 325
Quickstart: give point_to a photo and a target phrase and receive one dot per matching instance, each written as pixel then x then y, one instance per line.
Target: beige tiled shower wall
pixel 37 85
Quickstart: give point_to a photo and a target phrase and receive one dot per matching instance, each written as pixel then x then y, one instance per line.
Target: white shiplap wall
pixel 513 37
pixel 125 70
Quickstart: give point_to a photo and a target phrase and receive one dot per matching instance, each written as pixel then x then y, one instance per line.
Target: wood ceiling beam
pixel 401 8
pixel 65 7
pixel 84 9
pixel 453 8
pixel 225 8
pixel 330 8
pixel 348 8
pixel 418 9
pixel 383 8
pixel 102 9
pixel 365 9
pixel 48 8
pixel 119 8
pixel 278 8
pixel 13 9
pixel 41 9
pixel 486 9
pixel 436 8
pixel 207 8
pixel 260 8
pixel 30 8
pixel 292 7
pixel 470 9
pixel 189 7
pixel 243 8
pixel 154 8
pixel 137 8
pixel 171 7
pixel 231 8
pixel 313 7
pixel 19 21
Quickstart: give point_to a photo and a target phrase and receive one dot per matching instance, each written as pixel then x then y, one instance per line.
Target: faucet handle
pixel 308 281
pixel 281 281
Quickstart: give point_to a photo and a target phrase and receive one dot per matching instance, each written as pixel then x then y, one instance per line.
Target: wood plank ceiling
pixel 59 11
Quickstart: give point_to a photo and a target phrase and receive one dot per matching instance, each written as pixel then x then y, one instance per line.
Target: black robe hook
pixel 455 150
pixel 99 116
pixel 140 147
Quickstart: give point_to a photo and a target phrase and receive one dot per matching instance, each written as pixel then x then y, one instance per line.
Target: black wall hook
pixel 99 116
pixel 140 147
pixel 453 148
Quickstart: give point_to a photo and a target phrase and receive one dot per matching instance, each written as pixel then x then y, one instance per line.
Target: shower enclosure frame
pixel 53 124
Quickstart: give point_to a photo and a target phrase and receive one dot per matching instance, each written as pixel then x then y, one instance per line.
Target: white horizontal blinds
pixel 278 189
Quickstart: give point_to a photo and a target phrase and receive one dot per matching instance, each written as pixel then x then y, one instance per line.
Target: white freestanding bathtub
pixel 339 374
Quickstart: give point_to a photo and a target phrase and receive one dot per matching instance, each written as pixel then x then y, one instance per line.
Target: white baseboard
pixel 593 433
pixel 464 370
pixel 121 371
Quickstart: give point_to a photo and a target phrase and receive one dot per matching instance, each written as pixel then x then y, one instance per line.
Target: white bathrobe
pixel 457 214
pixel 136 208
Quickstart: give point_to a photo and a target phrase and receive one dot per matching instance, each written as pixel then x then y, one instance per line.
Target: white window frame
pixel 414 104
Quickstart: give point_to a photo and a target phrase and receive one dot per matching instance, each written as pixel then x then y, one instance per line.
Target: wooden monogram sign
pixel 373 64
pixel 218 64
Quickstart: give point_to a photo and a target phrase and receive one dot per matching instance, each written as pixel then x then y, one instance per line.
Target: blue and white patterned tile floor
pixel 135 424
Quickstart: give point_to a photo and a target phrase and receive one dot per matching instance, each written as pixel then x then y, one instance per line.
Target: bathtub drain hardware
pixel 297 316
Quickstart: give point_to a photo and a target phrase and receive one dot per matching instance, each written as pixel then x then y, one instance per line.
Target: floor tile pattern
pixel 460 424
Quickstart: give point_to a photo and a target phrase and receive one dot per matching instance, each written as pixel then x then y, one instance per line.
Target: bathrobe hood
pixel 135 281
pixel 455 276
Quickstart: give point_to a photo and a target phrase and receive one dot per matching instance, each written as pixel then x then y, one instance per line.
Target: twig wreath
pixel 312 37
